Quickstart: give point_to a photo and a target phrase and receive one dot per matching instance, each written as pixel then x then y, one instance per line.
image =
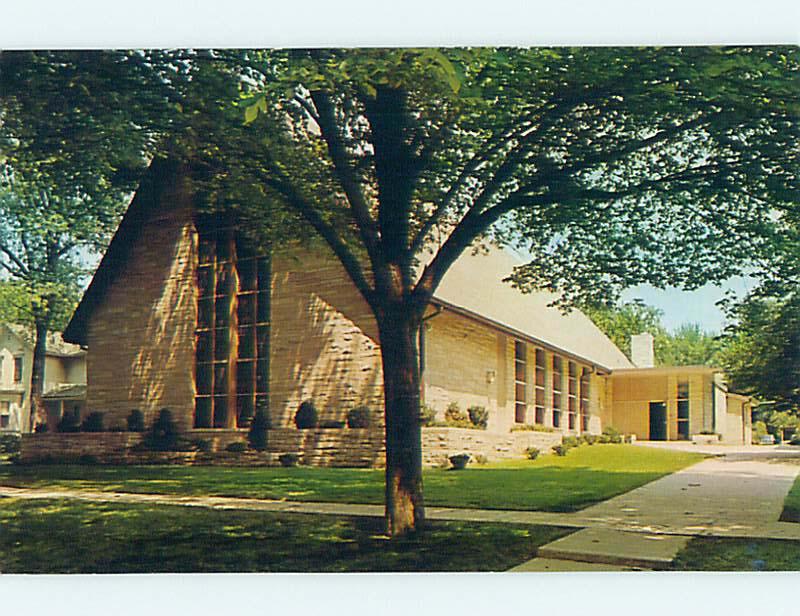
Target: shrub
pixel 454 414
pixel 41 428
pixel 589 439
pixel 288 459
pixel 569 442
pixel 359 417
pixel 257 435
pixel 163 435
pixel 459 461
pixel 478 416
pixel 306 416
pixel 532 453
pixel 135 421
pixel 70 421
pixel 203 445
pixel 759 430
pixel 611 434
pixel 560 450
pixel 93 422
pixel 532 428
pixel 236 447
pixel 10 443
pixel 427 415
pixel 87 458
pixel 481 459
pixel 331 424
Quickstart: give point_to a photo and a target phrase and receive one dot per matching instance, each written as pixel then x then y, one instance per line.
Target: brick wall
pixel 323 340
pixel 141 336
pixel 316 447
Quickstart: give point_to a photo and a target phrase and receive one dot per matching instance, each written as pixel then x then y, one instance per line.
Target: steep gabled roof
pixel 145 201
pixel 56 347
pixel 475 284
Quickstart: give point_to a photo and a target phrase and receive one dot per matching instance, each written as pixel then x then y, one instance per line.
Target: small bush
pixel 10 443
pixel 41 428
pixel 570 442
pixel 306 416
pixel 454 414
pixel 532 428
pixel 163 435
pixel 589 439
pixel 93 422
pixel 532 453
pixel 359 417
pixel 203 445
pixel 236 447
pixel 560 450
pixel 427 415
pixel 259 427
pixel 135 421
pixel 611 434
pixel 478 416
pixel 459 461
pixel 288 459
pixel 70 421
pixel 87 458
pixel 481 459
pixel 759 430
pixel 331 424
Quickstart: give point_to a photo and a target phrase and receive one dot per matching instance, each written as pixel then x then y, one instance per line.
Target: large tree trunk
pixel 405 510
pixel 37 411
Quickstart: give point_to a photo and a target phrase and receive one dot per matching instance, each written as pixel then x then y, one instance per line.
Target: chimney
pixel 642 350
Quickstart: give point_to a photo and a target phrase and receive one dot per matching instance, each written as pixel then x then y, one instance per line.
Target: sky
pixel 697 306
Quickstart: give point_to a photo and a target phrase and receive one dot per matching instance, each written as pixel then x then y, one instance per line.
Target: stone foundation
pixel 361 448
pixel 439 443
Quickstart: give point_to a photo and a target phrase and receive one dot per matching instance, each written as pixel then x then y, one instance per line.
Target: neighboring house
pixel 183 314
pixel 65 369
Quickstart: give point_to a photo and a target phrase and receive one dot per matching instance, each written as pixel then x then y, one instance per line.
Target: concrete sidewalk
pixel 644 528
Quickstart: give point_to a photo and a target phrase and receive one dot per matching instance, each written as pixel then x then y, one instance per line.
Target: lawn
pixel 735 554
pixel 587 475
pixel 67 536
pixel 791 506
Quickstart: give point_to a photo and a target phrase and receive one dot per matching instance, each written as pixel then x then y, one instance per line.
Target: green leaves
pixel 251 110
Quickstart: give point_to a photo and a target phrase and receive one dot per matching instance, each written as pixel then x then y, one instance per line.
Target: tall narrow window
pixel 683 410
pixel 232 352
pixel 585 384
pixel 18 369
pixel 539 383
pixel 520 382
pixel 557 377
pixel 572 395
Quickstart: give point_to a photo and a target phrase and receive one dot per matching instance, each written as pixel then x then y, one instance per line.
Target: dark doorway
pixel 658 421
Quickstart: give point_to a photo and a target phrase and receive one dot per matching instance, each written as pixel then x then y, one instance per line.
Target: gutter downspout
pixel 421 344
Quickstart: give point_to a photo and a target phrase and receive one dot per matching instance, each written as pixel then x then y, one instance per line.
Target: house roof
pixel 474 285
pixel 494 301
pixel 144 203
pixel 56 346
pixel 66 391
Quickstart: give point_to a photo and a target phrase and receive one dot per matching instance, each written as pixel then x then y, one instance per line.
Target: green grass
pixel 587 475
pixel 791 506
pixel 735 554
pixel 67 536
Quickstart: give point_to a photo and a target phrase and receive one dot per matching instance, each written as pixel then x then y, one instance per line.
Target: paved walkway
pixel 730 496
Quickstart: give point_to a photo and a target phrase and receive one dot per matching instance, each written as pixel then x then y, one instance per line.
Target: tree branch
pixel 345 175
pixel 328 233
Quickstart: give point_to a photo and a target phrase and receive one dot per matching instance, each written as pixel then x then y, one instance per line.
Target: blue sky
pixel 697 306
